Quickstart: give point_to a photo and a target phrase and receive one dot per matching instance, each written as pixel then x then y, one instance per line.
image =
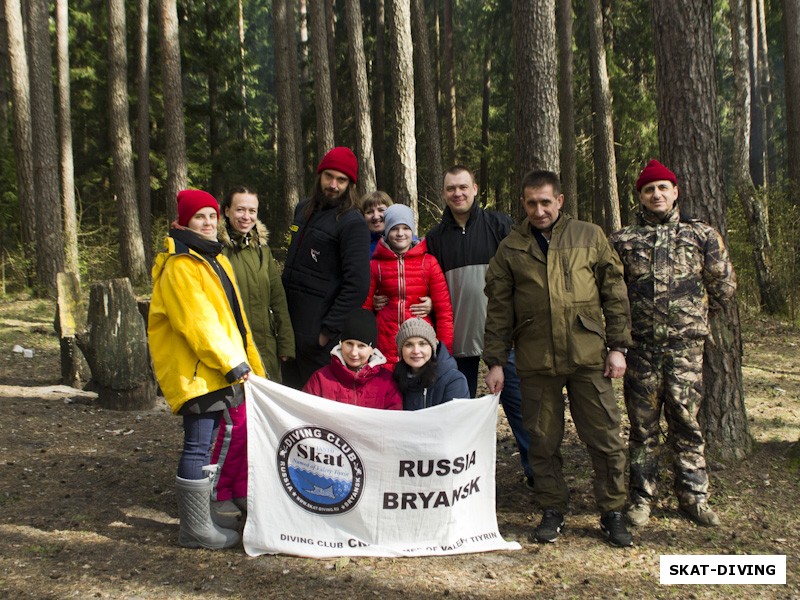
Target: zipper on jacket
pixel 196 366
pixel 425 398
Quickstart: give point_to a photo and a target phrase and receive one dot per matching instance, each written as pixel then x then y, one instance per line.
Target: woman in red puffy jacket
pixel 404 272
pixel 355 375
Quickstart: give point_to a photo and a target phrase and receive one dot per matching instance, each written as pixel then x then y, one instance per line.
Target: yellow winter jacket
pixel 192 331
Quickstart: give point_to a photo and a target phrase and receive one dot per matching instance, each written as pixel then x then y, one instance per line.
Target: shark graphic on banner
pixel 328 479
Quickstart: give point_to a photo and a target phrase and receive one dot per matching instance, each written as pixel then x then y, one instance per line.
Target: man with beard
pixel 326 275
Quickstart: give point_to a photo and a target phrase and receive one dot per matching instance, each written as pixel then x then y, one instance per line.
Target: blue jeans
pixel 510 399
pixel 198 433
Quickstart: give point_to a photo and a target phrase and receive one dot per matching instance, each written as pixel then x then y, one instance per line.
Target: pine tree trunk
pixel 688 136
pixel 450 82
pixel 358 70
pixel 121 372
pixel 295 115
pixel 23 131
pixel 566 107
pixel 535 90
pixel 130 236
pixel 765 90
pixel 216 185
pixel 758 113
pixel 755 207
pixel 67 170
pixel 431 148
pixel 605 162
pixel 402 75
pixel 791 33
pixel 288 141
pixel 50 258
pixel 5 106
pixel 323 102
pixel 330 37
pixel 483 174
pixel 175 132
pixel 244 120
pixel 143 131
pixel 379 96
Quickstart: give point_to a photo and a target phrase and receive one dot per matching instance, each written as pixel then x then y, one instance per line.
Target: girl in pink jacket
pixel 355 375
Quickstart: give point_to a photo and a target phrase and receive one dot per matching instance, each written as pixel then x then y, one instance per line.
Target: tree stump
pixel 115 346
pixel 70 320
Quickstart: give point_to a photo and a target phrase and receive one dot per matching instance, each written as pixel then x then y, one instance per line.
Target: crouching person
pixel 202 351
pixel 426 373
pixel 355 375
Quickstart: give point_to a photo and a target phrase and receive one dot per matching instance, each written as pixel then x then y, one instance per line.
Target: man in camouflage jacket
pixel 675 269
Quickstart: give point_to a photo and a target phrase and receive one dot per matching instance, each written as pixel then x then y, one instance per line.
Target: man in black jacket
pixel 464 242
pixel 326 275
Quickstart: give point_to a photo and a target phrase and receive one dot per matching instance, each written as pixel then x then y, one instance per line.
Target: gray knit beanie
pixel 397 214
pixel 416 327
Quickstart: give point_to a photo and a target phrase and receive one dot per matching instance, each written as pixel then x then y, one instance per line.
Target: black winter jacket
pixel 326 275
pixel 464 255
pixel 450 383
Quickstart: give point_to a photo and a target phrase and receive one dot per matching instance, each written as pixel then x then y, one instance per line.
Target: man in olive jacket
pixel 556 291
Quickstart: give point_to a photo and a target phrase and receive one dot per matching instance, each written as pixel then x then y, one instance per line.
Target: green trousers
pixel 597 420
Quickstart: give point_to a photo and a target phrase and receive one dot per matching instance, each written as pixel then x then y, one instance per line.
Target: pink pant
pixel 230 453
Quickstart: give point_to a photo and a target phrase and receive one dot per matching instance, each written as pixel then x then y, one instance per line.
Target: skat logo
pixel 320 471
pixel 314 254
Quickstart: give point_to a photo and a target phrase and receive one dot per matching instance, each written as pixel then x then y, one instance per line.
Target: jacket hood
pixel 383 252
pixel 259 235
pixel 172 247
pixel 445 361
pixel 346 375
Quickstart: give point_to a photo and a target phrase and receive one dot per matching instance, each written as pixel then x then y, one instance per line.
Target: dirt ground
pixel 87 506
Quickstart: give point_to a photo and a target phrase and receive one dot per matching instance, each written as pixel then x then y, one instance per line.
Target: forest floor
pixel 87 506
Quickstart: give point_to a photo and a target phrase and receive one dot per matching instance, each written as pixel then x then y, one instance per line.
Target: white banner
pixel 328 479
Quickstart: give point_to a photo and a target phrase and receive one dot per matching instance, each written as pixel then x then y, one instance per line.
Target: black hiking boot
pixel 549 527
pixel 612 524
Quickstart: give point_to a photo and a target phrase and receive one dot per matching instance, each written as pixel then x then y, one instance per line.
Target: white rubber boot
pixel 194 509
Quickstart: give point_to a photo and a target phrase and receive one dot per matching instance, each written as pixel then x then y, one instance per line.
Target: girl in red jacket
pixel 403 271
pixel 355 375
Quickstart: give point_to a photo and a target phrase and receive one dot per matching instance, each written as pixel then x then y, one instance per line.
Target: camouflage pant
pixel 673 379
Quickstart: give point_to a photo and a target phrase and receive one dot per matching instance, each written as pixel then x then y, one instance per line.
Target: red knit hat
pixel 190 201
pixel 655 171
pixel 341 159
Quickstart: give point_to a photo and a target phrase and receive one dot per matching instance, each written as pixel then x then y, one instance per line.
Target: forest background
pixel 108 108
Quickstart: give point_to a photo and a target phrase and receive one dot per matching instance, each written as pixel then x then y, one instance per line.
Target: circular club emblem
pixel 320 471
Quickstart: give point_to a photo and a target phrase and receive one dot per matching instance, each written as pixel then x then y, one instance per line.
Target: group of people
pixel 367 313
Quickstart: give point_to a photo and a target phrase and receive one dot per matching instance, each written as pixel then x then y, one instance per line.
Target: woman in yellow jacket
pixel 202 351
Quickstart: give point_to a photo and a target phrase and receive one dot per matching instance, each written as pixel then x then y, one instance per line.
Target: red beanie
pixel 190 201
pixel 340 159
pixel 655 171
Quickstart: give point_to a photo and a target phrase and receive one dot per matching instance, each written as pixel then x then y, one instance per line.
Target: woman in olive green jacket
pixel 244 240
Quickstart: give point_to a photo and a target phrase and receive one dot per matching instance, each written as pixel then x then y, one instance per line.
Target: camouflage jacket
pixel 674 270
